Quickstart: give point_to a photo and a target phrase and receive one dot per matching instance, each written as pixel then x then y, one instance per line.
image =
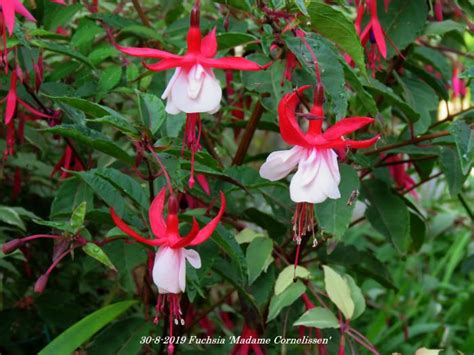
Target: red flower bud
pixel 173 205
pixel 41 283
pixel 11 246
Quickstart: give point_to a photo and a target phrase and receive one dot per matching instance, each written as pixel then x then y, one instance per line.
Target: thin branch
pixel 422 182
pixel 450 117
pixel 411 141
pixel 248 134
pixel 141 13
pixel 466 206
pixel 447 49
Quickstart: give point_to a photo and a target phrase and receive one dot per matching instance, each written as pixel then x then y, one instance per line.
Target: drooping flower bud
pixel 11 246
pixel 41 283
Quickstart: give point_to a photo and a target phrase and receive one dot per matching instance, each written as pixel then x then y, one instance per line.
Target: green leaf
pixel 334 216
pixel 377 88
pixel 451 168
pixel 122 337
pixel 152 111
pixel 126 258
pixel 62 49
pixel 247 235
pixel 259 257
pixel 227 40
pixel 335 26
pixel 318 317
pixel 109 78
pixel 91 138
pixel 118 122
pixel 93 250
pixel 468 73
pixel 284 299
pixel 287 277
pixel 332 73
pixel 403 22
pixel 338 291
pixel 267 81
pixel 80 332
pixel 417 231
pixel 464 139
pixel 364 98
pixel 387 213
pixel 302 7
pixel 357 297
pixel 90 108
pixel 78 215
pixel 71 193
pixel 421 97
pixel 9 216
pixel 435 28
pixel 125 184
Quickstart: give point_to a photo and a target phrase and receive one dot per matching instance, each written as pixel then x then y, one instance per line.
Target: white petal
pixel 208 97
pixel 280 163
pixel 167 91
pixel 196 79
pixel 166 270
pixel 171 108
pixel 317 177
pixel 329 174
pixel 193 257
pixel 182 272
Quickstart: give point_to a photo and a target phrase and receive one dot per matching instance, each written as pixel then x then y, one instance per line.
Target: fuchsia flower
pixel 458 85
pixel 11 103
pixel 248 341
pixel 8 10
pixel 68 161
pixel 193 88
pixel 438 10
pixel 317 177
pixel 374 31
pixel 169 269
pixel 372 34
pixel 399 173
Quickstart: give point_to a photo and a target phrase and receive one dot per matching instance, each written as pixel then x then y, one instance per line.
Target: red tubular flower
pixel 193 87
pixel 374 29
pixel 399 174
pixel 8 10
pixel 314 151
pixel 372 37
pixel 169 269
pixel 438 10
pixel 249 338
pixel 69 161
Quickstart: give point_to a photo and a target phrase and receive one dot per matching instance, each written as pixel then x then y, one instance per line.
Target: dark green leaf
pixel 284 299
pixel 387 213
pixel 259 257
pixel 334 25
pixel 318 317
pixel 96 252
pixel 80 332
pixel 334 216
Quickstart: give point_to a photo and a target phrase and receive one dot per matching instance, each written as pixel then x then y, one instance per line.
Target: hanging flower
pixel 193 88
pixel 373 36
pixel 8 10
pixel 169 269
pixel 317 177
pixel 69 161
pixel 399 173
pixel 248 342
pixel 11 103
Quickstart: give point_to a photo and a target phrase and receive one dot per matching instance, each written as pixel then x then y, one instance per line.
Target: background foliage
pixel 399 266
